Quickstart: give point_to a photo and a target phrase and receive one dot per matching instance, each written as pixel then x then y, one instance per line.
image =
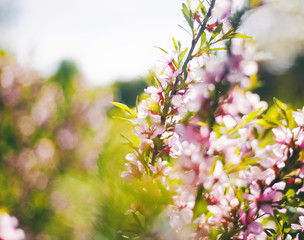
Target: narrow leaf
pixel 183 54
pixel 231 30
pixel 282 108
pixel 125 108
pixel 237 35
pixel 175 44
pixel 203 39
pixel 161 49
pixel 217 49
pixel 203 9
pixel 216 31
pixel 124 119
pixel 179 45
pixel 187 15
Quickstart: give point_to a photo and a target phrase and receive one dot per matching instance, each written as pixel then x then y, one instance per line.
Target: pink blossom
pixel 214 70
pixel 222 9
pixel 299 226
pixel 134 167
pixel 289 237
pixel 145 109
pixel 299 117
pixel 282 135
pixel 299 136
pixel 156 94
pixel 280 154
pixel 162 171
pixel 250 102
pixel 183 212
pixel 219 214
pixel 169 71
pixel 145 144
pixel 8 228
pixel 150 132
pixel 255 174
pixel 247 219
pixel 264 200
pixel 172 146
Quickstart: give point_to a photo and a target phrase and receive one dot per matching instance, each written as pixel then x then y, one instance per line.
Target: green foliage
pixel 188 15
pixel 127 91
pixel 115 198
pixel 288 85
pixel 51 132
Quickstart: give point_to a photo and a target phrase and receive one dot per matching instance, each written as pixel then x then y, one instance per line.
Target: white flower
pixel 8 228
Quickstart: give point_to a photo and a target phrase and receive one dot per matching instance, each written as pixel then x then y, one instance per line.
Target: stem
pixel 195 40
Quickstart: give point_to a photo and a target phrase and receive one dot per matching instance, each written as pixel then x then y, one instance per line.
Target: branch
pixel 195 40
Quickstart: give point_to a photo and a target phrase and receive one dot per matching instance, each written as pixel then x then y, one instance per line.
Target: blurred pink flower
pixel 299 117
pixel 299 226
pixel 8 228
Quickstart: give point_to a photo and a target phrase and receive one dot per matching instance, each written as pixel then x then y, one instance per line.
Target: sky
pixel 115 39
pixel 108 40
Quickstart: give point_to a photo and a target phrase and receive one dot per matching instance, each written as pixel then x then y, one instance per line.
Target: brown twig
pixel 195 40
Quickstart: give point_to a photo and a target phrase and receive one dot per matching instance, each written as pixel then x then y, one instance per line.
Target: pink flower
pixel 145 109
pixel 157 95
pixel 169 71
pixel 289 237
pixel 172 146
pixel 183 212
pixel 255 174
pixel 282 135
pixel 297 226
pixel 222 9
pixel 299 117
pixel 8 228
pixel 162 171
pixel 134 167
pixel 150 132
pixel 299 136
pixel 264 200
pixel 247 219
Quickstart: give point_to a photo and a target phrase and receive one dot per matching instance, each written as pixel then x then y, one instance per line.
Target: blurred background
pixel 62 63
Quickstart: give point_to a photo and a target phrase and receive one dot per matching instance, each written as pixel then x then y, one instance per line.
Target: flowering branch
pixel 200 142
pixel 195 40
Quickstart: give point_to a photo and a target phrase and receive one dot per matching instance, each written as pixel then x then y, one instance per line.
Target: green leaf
pixel 267 232
pixel 238 35
pixel 282 107
pixel 243 165
pixel 188 15
pixel 203 9
pixel 161 49
pixel 203 39
pixel 216 31
pixel 290 119
pixel 231 34
pixel 175 44
pixel 217 49
pixel 124 119
pixel 137 220
pixel 226 35
pixel 251 116
pixel 246 119
pixel 179 45
pixel 125 108
pixel 183 54
pixel 185 70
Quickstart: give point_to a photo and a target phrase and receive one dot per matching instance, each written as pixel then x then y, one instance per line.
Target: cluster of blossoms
pixel 224 166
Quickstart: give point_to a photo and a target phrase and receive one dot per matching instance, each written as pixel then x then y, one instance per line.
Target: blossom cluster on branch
pixel 213 159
